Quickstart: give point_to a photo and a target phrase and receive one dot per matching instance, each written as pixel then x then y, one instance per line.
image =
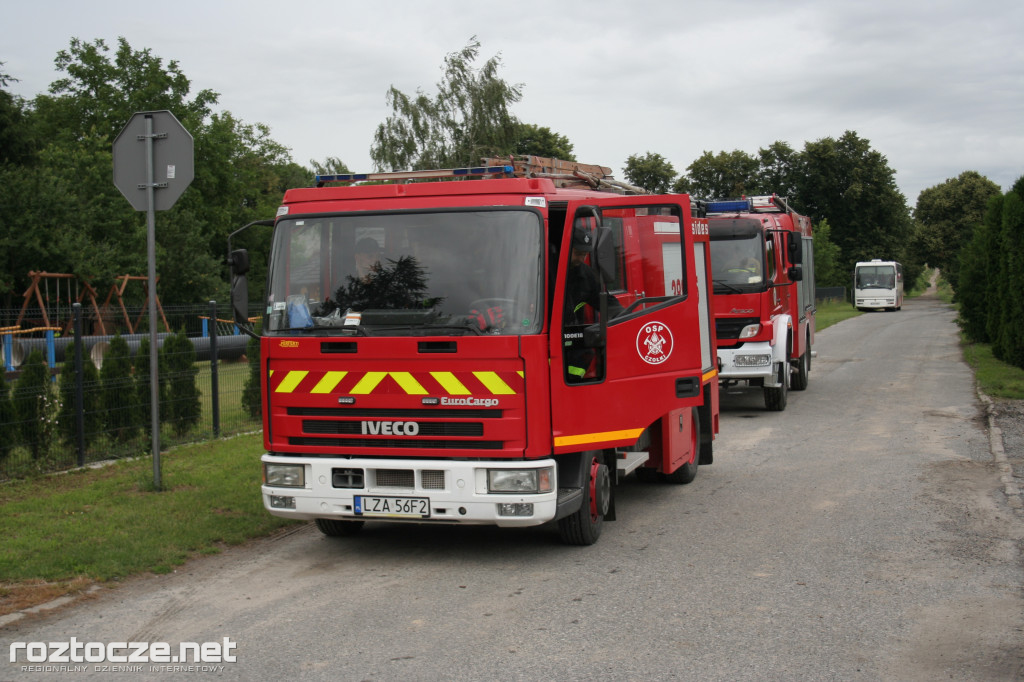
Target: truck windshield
pixel 737 264
pixel 409 274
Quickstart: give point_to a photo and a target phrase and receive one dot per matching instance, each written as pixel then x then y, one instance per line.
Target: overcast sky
pixel 936 86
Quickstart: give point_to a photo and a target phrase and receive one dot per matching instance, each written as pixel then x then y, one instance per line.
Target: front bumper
pixel 748 361
pixel 456 490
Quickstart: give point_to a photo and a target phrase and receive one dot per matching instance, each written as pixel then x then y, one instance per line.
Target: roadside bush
pixel 184 408
pixel 251 398
pixel 6 417
pixel 30 399
pixel 119 407
pixel 143 390
pixel 91 397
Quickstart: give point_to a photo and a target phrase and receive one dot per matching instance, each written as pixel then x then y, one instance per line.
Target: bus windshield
pixel 403 273
pixel 876 277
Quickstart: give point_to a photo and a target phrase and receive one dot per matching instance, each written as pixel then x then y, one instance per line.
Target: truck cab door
pixel 631 333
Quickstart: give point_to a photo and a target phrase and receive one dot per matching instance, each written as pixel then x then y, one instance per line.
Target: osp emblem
pixel 654 343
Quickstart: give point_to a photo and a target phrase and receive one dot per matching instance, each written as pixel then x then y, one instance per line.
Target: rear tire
pixel 336 528
pixel 583 527
pixel 803 366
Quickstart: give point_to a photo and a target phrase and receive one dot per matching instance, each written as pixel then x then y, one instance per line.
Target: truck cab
pixel 500 350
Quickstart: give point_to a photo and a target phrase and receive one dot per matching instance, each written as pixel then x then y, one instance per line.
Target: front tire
pixel 583 527
pixel 775 399
pixel 335 528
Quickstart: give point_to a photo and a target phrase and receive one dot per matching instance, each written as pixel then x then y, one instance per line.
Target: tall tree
pixel 466 120
pixel 776 168
pixel 537 140
pixel 720 176
pixel 651 171
pixel 947 215
pixel 852 186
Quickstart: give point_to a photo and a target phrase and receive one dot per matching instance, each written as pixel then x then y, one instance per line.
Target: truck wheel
pixel 336 529
pixel 802 368
pixel 583 527
pixel 775 398
pixel 688 471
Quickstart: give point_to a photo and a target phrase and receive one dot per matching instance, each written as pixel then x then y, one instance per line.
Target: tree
pixel 31 399
pixel 91 396
pixel 143 390
pixel 720 176
pixel 466 120
pixel 536 140
pixel 947 215
pixel 852 186
pixel 651 172
pixel 977 274
pixel 1008 341
pixel 252 398
pixel 183 406
pixel 827 270
pixel 776 170
pixel 119 409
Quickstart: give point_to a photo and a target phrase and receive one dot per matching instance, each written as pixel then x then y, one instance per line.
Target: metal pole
pixel 154 393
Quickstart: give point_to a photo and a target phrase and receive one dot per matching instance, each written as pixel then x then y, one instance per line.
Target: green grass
pixel 830 312
pixel 107 523
pixel 996 378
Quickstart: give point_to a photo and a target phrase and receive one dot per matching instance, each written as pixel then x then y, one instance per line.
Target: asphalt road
pixel 862 534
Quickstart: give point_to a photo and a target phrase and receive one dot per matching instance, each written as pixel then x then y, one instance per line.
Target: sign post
pixel 153 165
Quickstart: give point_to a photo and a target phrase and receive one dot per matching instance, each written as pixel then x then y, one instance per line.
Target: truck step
pixel 628 461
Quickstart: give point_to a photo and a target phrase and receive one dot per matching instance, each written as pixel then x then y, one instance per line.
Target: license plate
pixel 367 505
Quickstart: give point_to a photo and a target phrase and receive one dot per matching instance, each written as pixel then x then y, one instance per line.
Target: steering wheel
pixel 490 312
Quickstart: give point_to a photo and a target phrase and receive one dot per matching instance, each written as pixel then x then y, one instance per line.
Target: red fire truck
pixel 762 256
pixel 500 345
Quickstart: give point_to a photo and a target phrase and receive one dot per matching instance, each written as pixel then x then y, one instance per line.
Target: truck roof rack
pixel 767 203
pixel 562 173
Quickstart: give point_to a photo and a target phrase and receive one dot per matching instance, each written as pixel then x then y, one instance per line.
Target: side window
pixel 770 256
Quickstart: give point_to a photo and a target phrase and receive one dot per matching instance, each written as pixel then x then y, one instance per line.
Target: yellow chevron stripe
pixel 368 383
pixel 594 438
pixel 494 383
pixel 290 381
pixel 329 382
pixel 450 383
pixel 408 383
pixel 708 376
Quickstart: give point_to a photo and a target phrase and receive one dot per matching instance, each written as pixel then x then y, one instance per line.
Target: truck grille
pixel 449 429
pixel 405 479
pixel 730 327
pixel 425 444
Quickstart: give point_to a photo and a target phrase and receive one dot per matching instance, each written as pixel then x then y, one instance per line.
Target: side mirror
pixel 238 260
pixel 794 248
pixel 795 273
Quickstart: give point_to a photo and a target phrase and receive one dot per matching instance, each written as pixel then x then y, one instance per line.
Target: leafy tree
pixel 827 271
pixel 466 120
pixel 91 397
pixel 947 215
pixel 1008 342
pixel 720 176
pixel 119 408
pixel 976 279
pixel 17 139
pixel 650 171
pixel 30 398
pixel 536 140
pixel 852 186
pixel 776 171
pixel 183 406
pixel 143 390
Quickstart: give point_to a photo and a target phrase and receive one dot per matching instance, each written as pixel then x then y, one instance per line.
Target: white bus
pixel 878 284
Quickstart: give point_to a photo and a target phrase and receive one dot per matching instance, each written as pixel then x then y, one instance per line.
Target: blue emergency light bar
pixel 418 175
pixel 735 206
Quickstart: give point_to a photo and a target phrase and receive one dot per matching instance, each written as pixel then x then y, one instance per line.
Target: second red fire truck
pixel 763 258
pixel 500 350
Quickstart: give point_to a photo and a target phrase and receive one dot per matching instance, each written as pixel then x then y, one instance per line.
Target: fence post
pixel 9 352
pixel 76 310
pixel 214 384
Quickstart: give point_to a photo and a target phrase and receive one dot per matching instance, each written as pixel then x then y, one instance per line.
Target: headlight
pixel 520 480
pixel 284 475
pixel 750 330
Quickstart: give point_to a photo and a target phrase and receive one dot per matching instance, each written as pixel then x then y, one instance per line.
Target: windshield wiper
pixel 723 283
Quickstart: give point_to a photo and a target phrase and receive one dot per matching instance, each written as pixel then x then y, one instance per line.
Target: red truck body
pixel 448 383
pixel 763 263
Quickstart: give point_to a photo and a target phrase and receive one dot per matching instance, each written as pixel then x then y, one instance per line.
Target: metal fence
pixel 59 411
pixel 830 294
